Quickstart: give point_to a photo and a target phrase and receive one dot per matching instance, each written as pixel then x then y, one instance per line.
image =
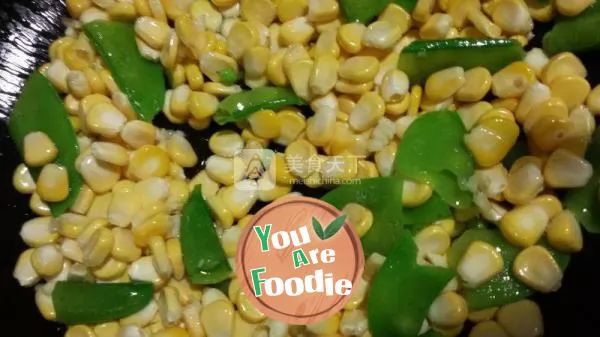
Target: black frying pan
pixel 27 27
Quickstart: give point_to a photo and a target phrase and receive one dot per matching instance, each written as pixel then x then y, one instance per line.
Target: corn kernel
pixel 573 90
pixel 536 267
pixel 482 315
pixel 436 27
pixel 367 112
pixel 524 184
pixel 24 271
pixel 217 318
pixel 513 80
pixel 522 318
pixel 415 194
pixel 432 240
pixel 350 37
pixel 79 331
pixel 38 149
pixel 524 226
pixel 567 170
pixel 152 31
pixel 491 140
pixel 572 8
pixel 423 10
pixel 513 17
pixel 99 246
pixel 326 326
pixel 297 30
pixel 478 82
pixel 488 329
pixel 382 35
pixel 105 119
pixel 448 310
pixel 444 83
pixel 47 260
pixel 110 153
pixel 479 264
pixel 99 176
pixel 482 23
pixel 157 225
pixel 124 248
pixel 53 183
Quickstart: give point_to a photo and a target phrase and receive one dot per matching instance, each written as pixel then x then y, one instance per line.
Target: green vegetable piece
pixel 583 202
pixel 228 76
pixel 503 288
pixel 365 11
pixel 141 80
pixel 575 34
pixel 431 333
pixel 39 108
pixel 383 197
pixel 403 291
pixel 422 58
pixel 362 11
pixel 203 256
pixel 433 210
pixel 239 106
pixel 78 302
pixel 433 151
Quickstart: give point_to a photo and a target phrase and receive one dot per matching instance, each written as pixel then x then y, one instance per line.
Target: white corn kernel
pixel 24 271
pixel 536 267
pixel 479 264
pixel 38 232
pixel 448 310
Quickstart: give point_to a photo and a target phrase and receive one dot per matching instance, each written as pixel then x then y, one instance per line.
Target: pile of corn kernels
pixel 125 223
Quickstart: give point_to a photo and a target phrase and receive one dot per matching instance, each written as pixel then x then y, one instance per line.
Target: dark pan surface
pixel 26 29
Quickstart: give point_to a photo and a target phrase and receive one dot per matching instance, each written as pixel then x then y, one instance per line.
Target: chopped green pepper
pixel 239 106
pixel 403 291
pixel 203 256
pixel 433 210
pixel 383 197
pixel 574 34
pixel 39 108
pixel 141 80
pixel 583 202
pixel 422 58
pixel 441 159
pixel 365 11
pixel 503 288
pixel 228 76
pixel 78 302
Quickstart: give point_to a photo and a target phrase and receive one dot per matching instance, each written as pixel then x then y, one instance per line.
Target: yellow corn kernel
pixel 487 328
pixel 297 156
pixel 99 207
pixel 204 11
pixel 209 186
pixel 326 326
pixel 564 233
pixel 491 140
pixel 349 88
pixel 160 257
pixel 297 30
pixel 72 105
pixel 537 101
pixel 98 247
pixel 359 69
pixel 202 105
pixel 478 82
pixel 152 31
pixel 482 23
pixel 416 92
pixel 537 61
pixel 38 149
pixel 123 11
pixel 290 9
pixel 53 183
pixel 423 10
pixel 263 11
pixel 100 177
pixel 573 90
pixel 248 311
pixel 147 162
pixel 47 260
pixel 513 80
pixel 564 169
pixel 221 90
pixel 512 16
pixel 524 226
pixel 171 332
pixel 241 37
pixel 217 318
pixel 293 123
pixel 479 264
pixel 384 159
pixel 265 124
pixel 24 271
pixel 394 88
pixel 76 7
pixel 175 258
pixel 299 74
pixel 275 72
pixel 522 318
pixel 110 153
pixel 22 180
pixel 124 248
pixel 436 27
pixel 432 240
pixel 561 65
pixel 79 331
pixel 367 112
pixel 212 63
pixel 549 203
pixel 181 151
pixel 382 35
pixel 220 211
pixel 121 102
pixel 105 119
pixel 38 206
pixel 350 37
pixel 110 269
pixel 194 77
pixel 327 44
pixel 415 194
pixel 572 8
pixel 448 310
pixel 158 225
pixel 549 131
pixel 400 108
pixel 445 83
pixel 324 75
pixel 71 225
pixel 536 267
pixel 482 315
pixel 237 200
pixel 77 84
pixel 278 169
pixel 524 183
pixel 107 329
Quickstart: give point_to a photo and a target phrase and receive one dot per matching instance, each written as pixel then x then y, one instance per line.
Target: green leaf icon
pixel 331 229
pixel 318 229
pixel 335 226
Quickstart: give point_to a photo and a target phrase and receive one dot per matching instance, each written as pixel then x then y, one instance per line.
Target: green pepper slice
pixel 402 291
pixel 433 210
pixel 503 288
pixel 239 106
pixel 365 11
pixel 583 202
pixel 428 155
pixel 141 80
pixel 422 58
pixel 575 34
pixel 383 197
pixel 203 256
pixel 78 302
pixel 39 108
